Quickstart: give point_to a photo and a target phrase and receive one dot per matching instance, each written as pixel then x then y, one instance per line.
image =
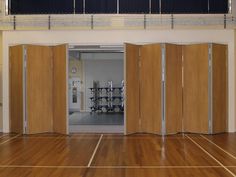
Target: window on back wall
pixel 125 6
pixel 218 6
pixel 133 6
pixel 79 6
pixel 155 6
pixel 184 6
pixel 41 6
pixel 101 6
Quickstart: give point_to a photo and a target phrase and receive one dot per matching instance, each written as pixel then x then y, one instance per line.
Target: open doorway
pixel 96 89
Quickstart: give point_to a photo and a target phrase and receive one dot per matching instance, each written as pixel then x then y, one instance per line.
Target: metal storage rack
pixel 107 99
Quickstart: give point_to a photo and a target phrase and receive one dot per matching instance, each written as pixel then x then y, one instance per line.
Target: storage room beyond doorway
pixel 96 89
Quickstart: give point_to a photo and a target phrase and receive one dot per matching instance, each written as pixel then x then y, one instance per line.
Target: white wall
pixel 119 37
pixel 102 71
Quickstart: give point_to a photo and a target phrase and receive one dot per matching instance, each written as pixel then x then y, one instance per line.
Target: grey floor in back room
pixel 84 118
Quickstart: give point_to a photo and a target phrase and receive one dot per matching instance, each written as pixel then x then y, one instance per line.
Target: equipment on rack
pixel 107 99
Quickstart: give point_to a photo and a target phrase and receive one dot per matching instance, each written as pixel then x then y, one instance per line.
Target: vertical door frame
pixel 67 89
pixel 125 72
pixel 24 90
pixel 210 90
pixel 163 89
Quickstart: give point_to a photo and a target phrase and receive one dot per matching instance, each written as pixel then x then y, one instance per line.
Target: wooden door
pixel 196 88
pixel 219 89
pixel 173 88
pixel 16 88
pixel 132 90
pixel 151 88
pixel 60 106
pixel 39 84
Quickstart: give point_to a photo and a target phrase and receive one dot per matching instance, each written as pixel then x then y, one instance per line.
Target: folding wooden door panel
pixel 151 88
pixel 16 61
pixel 173 88
pixel 196 88
pixel 219 88
pixel 39 84
pixel 132 90
pixel 60 106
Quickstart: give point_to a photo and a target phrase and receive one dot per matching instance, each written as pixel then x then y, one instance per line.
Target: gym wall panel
pixel 60 107
pixel 173 88
pixel 16 88
pixel 219 89
pixel 39 84
pixel 196 88
pixel 132 89
pixel 150 88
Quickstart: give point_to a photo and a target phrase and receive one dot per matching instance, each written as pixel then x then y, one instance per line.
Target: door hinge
pixel 25 63
pixel 25 53
pixel 139 52
pixel 25 126
pixel 210 63
pixel 52 63
pixel 210 49
pixel 139 58
pixel 139 64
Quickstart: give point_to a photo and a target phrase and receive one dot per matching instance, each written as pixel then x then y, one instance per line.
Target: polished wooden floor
pixel 107 155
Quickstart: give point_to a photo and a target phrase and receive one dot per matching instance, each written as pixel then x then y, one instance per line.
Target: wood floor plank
pixel 48 151
pixel 139 155
pixel 225 141
pixel 6 137
pixel 220 155
pixel 219 172
pixel 233 170
pixel 86 172
pixel 150 151
pixel 41 172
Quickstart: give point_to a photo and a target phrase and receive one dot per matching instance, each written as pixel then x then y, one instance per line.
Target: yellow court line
pixel 229 171
pixel 3 135
pixel 14 137
pixel 6 134
pixel 218 147
pixel 95 150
